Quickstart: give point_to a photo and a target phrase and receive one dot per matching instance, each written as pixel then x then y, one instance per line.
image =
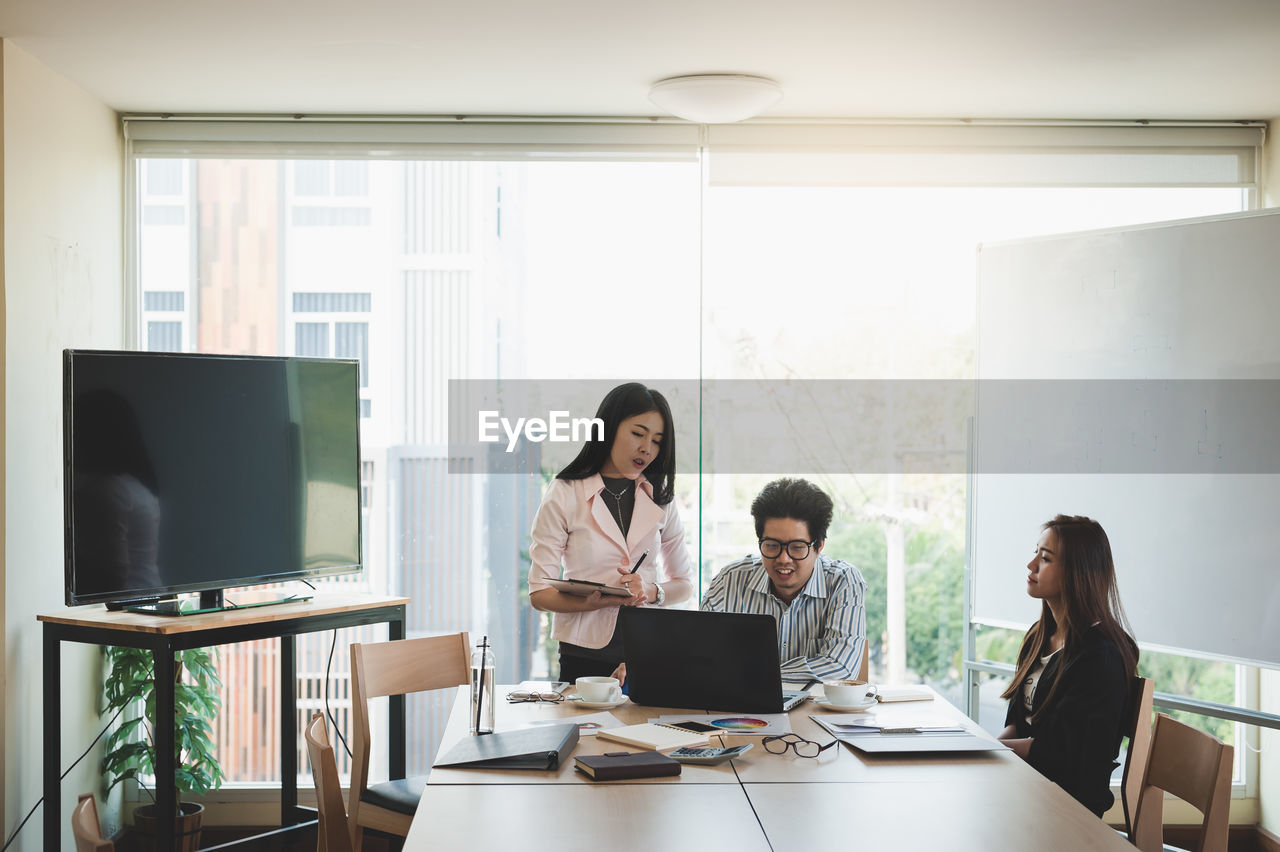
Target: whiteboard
pixel 1154 305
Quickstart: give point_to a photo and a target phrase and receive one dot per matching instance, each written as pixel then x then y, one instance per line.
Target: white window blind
pixel 766 154
pixel 1204 155
pixel 411 139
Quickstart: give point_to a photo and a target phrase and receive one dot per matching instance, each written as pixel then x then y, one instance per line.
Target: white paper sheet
pixel 588 724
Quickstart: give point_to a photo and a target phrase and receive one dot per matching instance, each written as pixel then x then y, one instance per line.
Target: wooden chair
pixel 864 673
pixel 395 668
pixel 86 828
pixel 333 835
pixel 1137 727
pixel 1195 767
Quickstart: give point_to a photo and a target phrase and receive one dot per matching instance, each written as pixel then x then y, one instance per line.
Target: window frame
pixel 625 141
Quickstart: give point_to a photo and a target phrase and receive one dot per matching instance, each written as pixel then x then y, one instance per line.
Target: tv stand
pixel 163 637
pixel 215 600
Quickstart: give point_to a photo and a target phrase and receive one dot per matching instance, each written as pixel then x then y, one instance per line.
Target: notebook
pixel 703 660
pixel 656 737
pixel 623 764
pixel 887 694
pixel 527 748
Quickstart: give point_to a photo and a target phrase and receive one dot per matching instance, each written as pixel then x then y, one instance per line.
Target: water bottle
pixel 482 688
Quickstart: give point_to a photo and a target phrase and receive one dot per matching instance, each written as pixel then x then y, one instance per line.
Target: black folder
pixel 541 747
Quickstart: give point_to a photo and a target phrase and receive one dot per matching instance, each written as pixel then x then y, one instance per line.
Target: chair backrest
pixel 1137 727
pixel 86 828
pixel 397 668
pixel 333 834
pixel 864 673
pixel 1195 767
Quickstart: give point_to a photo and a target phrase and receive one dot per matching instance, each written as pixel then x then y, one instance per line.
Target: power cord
pixel 336 729
pixel 75 763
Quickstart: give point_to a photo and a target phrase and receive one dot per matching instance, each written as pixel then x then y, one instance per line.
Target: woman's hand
pixel 634 584
pixel 596 600
pixel 620 673
pixel 551 600
pixel 1021 746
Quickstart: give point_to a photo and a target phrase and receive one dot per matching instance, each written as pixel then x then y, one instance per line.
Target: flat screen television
pixel 202 473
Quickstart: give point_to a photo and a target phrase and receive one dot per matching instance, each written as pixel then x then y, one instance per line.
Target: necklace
pixel 617 505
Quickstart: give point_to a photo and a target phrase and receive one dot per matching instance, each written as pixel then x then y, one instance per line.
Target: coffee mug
pixel 846 693
pixel 598 688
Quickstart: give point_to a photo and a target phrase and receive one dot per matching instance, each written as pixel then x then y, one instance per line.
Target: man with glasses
pixel 818 601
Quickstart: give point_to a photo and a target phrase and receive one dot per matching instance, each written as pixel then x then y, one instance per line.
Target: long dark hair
pixel 1092 599
pixel 618 404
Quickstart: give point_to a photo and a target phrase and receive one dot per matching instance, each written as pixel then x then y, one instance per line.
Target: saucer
pixel 844 708
pixel 596 705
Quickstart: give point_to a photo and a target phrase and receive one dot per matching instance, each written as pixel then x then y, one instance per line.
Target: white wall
pixel 63 184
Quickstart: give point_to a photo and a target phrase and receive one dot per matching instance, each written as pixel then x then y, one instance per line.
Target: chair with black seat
pixel 380 669
pixel 1137 722
pixel 86 829
pixel 1195 767
pixel 333 835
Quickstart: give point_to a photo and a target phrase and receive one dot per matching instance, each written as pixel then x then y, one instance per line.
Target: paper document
pixel 587 725
pixel 867 723
pixel 863 733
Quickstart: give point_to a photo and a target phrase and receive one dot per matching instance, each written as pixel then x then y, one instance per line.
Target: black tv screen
pixel 196 473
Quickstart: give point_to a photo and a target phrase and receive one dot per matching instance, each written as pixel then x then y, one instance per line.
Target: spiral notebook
pixel 656 737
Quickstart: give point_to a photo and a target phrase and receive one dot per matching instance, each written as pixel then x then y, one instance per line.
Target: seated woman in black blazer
pixel 1066 700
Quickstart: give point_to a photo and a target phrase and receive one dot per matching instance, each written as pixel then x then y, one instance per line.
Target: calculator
pixel 709 756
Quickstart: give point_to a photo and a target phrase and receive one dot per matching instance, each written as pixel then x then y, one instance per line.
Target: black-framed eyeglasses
pixel 795 742
pixel 771 548
pixel 546 697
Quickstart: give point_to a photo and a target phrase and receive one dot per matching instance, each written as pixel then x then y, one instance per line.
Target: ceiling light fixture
pixel 715 98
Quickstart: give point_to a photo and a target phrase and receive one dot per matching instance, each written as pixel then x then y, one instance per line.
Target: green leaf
pixel 129 685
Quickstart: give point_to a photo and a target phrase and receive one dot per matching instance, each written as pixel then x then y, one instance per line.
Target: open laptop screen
pixel 701 660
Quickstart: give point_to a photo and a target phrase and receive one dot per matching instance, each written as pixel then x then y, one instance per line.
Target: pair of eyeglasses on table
pixel 795 742
pixel 520 697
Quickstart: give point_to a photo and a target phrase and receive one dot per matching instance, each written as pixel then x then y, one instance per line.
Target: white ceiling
pixel 1085 59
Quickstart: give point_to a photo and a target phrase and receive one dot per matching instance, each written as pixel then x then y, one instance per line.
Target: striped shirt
pixel 822 631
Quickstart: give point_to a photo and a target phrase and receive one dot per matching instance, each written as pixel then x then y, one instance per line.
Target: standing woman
pixel 607 510
pixel 1066 700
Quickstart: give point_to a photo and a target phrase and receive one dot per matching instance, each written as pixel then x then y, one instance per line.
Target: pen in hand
pixel 639 562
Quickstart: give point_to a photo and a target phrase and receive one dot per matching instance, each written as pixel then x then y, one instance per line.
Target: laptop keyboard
pixel 791 700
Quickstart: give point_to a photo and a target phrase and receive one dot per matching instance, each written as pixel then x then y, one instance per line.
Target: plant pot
pixel 186 827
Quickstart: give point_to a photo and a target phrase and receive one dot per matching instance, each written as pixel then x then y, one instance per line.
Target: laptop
pixel 704 660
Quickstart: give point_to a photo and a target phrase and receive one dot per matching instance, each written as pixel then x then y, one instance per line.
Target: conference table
pixel 985 800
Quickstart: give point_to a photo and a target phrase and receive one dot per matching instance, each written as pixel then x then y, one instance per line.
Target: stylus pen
pixel 639 562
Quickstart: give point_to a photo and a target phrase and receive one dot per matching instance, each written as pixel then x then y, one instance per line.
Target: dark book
pixel 623 764
pixel 543 747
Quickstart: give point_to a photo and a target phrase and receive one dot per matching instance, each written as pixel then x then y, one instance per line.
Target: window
pixel 312 339
pixel 606 271
pixel 457 302
pixel 164 337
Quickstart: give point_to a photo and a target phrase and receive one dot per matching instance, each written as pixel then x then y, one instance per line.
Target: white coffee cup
pixel 599 689
pixel 845 693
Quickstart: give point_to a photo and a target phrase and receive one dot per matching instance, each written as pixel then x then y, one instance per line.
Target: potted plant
pixel 130 749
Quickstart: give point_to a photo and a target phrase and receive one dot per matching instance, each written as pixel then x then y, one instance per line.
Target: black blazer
pixel 1078 738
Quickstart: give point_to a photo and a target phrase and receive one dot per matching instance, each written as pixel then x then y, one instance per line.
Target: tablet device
pixel 583 588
